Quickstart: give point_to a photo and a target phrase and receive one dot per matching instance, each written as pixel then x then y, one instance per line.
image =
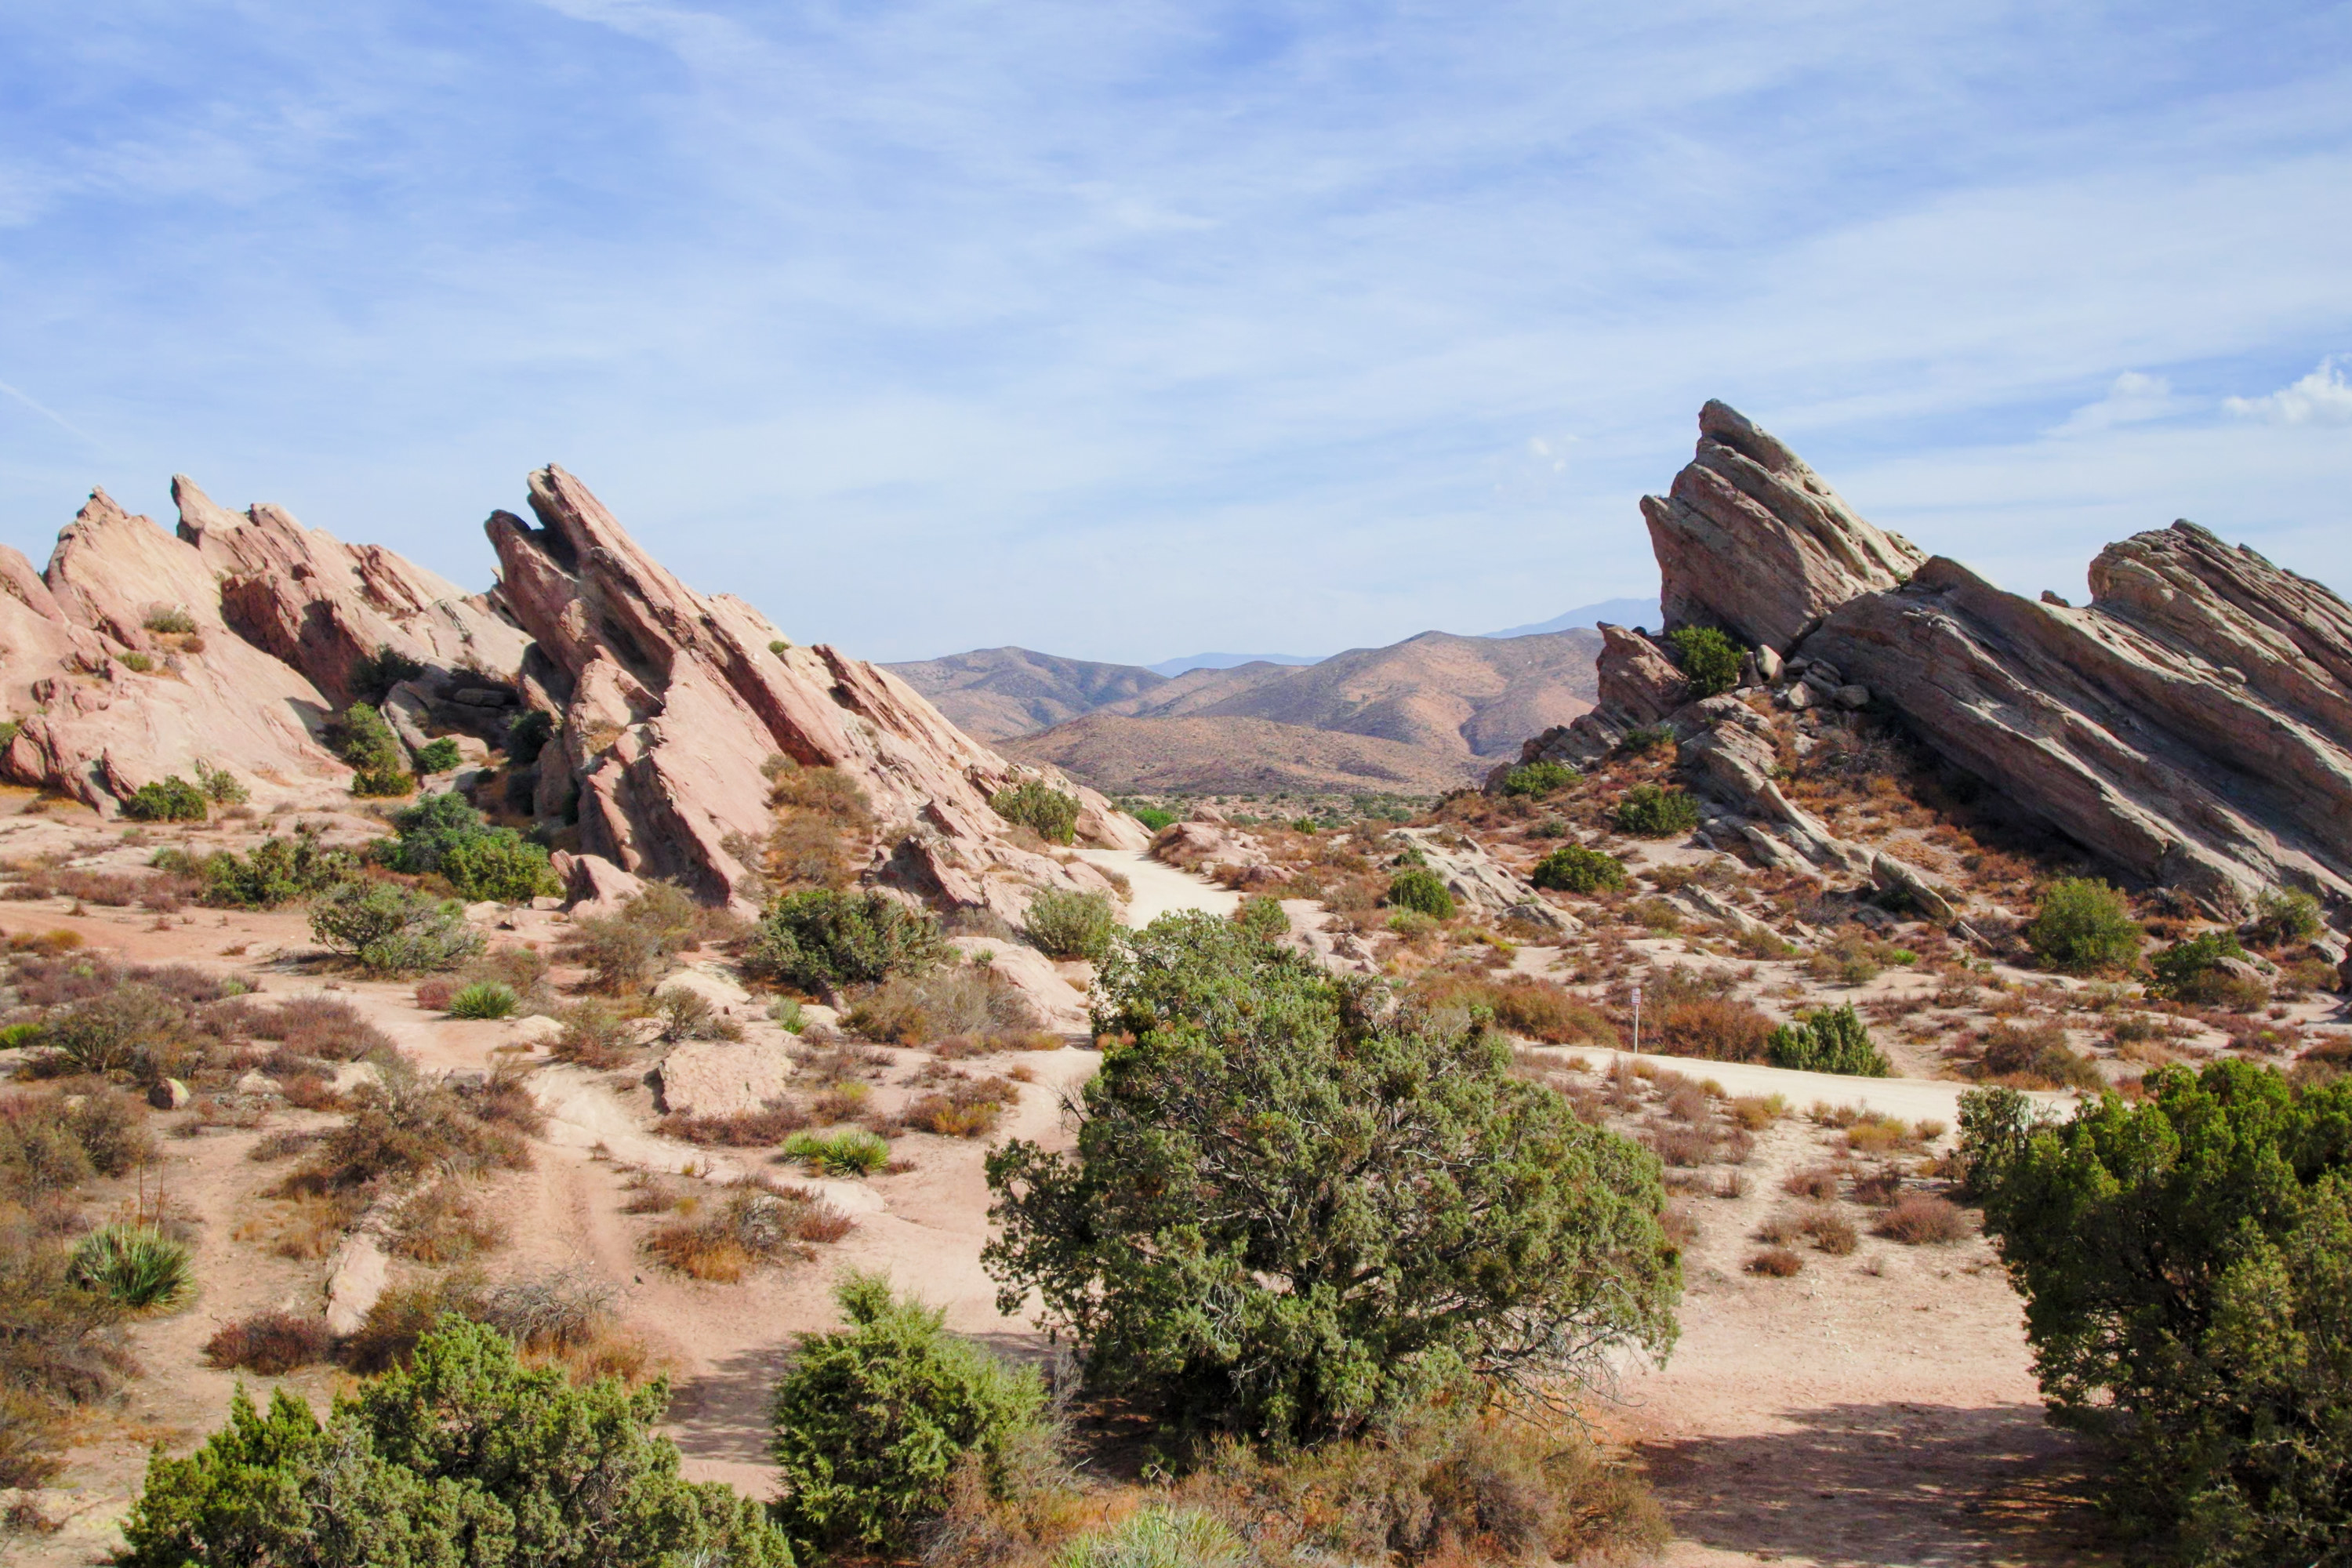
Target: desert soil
pixel 1877 1408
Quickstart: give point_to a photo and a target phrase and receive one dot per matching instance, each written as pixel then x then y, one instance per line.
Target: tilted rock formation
pixel 1751 540
pixel 93 724
pixel 671 702
pixel 2191 727
pixel 1639 686
pixel 323 606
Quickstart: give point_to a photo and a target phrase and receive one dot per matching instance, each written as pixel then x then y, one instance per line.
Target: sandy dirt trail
pixel 1159 887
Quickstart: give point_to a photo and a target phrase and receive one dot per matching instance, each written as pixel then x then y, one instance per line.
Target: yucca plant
pixel 852 1152
pixel 483 999
pixel 135 1266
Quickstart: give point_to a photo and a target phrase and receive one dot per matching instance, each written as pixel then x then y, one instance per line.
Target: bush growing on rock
pixel 361 737
pixel 873 1420
pixel 463 1456
pixel 1827 1041
pixel 375 675
pixel 1421 892
pixel 393 929
pixel 1470 1230
pixel 1710 660
pixel 2196 969
pixel 170 799
pixel 819 939
pixel 439 756
pixel 526 735
pixel 1534 780
pixel 1071 925
pixel 970 1001
pixel 1648 811
pixel 2083 927
pixel 1572 869
pixel 2187 1266
pixel 2283 916
pixel 1040 807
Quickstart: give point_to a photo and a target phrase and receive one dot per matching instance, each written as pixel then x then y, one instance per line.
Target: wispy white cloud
pixel 2323 397
pixel 949 322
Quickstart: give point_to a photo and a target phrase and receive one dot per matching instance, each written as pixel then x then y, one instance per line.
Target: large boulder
pixel 725 1078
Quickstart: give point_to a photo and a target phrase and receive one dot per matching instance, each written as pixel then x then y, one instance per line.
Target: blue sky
pixel 1125 330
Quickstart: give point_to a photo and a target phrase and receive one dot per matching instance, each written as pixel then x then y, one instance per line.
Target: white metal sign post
pixel 1637 1020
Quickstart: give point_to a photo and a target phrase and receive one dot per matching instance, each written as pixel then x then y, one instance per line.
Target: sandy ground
pixel 1878 1408
pixel 1158 888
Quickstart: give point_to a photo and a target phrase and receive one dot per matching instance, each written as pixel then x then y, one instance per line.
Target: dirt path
pixel 1159 887
pixel 1912 1098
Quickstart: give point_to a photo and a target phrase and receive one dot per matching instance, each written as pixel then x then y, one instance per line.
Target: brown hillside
pixel 1232 755
pixel 1446 695
pixel 999 692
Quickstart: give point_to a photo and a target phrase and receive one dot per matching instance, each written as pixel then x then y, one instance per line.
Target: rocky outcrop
pixel 1752 541
pixel 669 702
pixel 1638 685
pixel 1480 882
pixel 725 1078
pixel 2191 727
pixel 326 608
pixel 105 702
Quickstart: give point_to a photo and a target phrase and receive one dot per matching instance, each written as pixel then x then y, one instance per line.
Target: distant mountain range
pixel 1446 706
pixel 1616 611
pixel 1172 667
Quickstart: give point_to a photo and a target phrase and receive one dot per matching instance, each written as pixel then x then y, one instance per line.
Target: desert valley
pixel 587 965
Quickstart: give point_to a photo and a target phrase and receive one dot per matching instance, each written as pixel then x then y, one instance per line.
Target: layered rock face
pixel 2191 727
pixel 1752 541
pixel 671 702
pixel 93 724
pixel 325 607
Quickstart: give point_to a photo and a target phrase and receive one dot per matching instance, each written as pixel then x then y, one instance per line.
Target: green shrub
pixel 2083 927
pixel 221 786
pixel 528 734
pixel 2191 970
pixel 1572 869
pixel 393 929
pixel 136 1266
pixel 1411 925
pixel 1040 807
pixel 383 786
pixel 373 676
pixel 1071 925
pixel 8 728
pixel 483 999
pixel 1710 661
pixel 780 647
pixel 139 663
pixel 851 1151
pixel 2283 916
pixel 464 1457
pixel 1534 779
pixel 1645 738
pixel 871 1421
pixel 1262 916
pixel 1827 1041
pixel 1154 817
pixel 171 799
pixel 170 619
pixel 361 737
pixel 1421 891
pixel 2187 1266
pixel 1258 1089
pixel 439 756
pixel 1647 811
pixel 1158 1538
pixel 821 939
pixel 277 871
pixel 442 833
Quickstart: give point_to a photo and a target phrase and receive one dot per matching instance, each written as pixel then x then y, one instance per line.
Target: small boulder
pixel 170 1094
pixel 537 1031
pixel 257 1082
pixel 483 697
pixel 725 1078
pixel 1768 663
pixel 1852 696
pixel 1799 696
